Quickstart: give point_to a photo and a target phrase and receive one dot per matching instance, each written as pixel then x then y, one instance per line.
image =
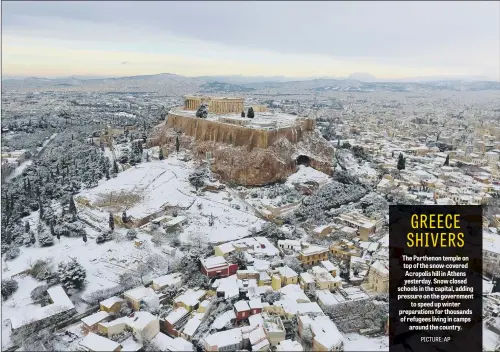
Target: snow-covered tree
pixel 401 162
pixel 293 263
pixel 111 222
pixel 72 206
pixel 197 177
pixel 9 286
pixel 44 236
pixel 71 274
pixel 39 293
pixel 129 280
pixel 238 257
pixel 131 234
pixel 202 111
pixel 12 253
pixel 307 339
pixel 271 297
pixel 250 113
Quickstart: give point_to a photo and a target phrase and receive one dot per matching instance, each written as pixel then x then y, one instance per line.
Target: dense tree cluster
pixel 360 153
pixel 328 131
pixel 287 194
pixel 72 275
pixel 332 195
pixel 361 314
pixel 66 166
pixel 135 155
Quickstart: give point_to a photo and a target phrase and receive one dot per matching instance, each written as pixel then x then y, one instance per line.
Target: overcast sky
pixel 390 40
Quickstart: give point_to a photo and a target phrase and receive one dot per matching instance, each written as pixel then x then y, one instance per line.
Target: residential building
pixel 111 305
pixel 165 343
pixel 95 343
pixel 60 306
pixel 162 282
pixel 328 265
pixel 312 255
pixel 289 345
pixel 229 340
pixel 274 329
pixel 364 225
pixel 326 336
pixel 258 340
pixel 378 277
pixel 217 266
pixel 292 245
pixel 190 299
pixel 255 306
pixel 491 253
pixel 90 323
pixel 144 325
pixel 344 250
pixel 140 296
pixel 242 310
pixel 192 325
pixel 175 321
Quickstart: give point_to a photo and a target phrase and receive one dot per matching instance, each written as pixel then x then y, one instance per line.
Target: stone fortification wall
pixel 239 136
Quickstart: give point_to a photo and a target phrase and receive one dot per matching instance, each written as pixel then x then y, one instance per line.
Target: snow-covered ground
pixel 307 174
pixel 356 342
pixel 19 170
pixel 158 183
pixel 165 182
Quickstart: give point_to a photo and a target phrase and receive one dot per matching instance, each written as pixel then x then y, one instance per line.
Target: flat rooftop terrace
pixel 261 120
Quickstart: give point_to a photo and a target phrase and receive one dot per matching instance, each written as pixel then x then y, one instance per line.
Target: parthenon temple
pixel 215 105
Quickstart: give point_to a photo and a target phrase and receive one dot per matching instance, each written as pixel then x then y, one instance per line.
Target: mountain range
pixel 172 84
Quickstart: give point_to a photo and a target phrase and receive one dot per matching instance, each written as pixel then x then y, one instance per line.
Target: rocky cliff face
pixel 240 136
pixel 248 164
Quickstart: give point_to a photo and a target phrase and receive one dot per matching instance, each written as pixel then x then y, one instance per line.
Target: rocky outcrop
pixel 239 136
pixel 248 164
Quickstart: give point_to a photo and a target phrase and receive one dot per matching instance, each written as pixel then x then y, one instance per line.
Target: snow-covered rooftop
pixel 168 280
pixel 289 345
pixel 190 297
pixel 294 292
pixel 176 314
pixel 192 324
pixel 228 285
pixel 223 319
pixel 61 303
pixel 130 345
pixel 241 306
pixel 225 338
pixel 108 303
pixel 140 292
pixel 328 265
pixel 213 262
pixel 166 343
pixel 491 242
pixel 95 318
pixel 94 342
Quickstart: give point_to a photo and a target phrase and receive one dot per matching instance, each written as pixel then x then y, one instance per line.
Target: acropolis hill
pixel 247 151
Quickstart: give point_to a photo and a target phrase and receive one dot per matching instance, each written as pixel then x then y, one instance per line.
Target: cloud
pixel 125 62
pixel 409 37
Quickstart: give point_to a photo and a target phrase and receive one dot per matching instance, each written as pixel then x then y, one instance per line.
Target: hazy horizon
pixel 295 40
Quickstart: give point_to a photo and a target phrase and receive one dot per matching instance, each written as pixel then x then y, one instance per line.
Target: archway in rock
pixel 303 160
